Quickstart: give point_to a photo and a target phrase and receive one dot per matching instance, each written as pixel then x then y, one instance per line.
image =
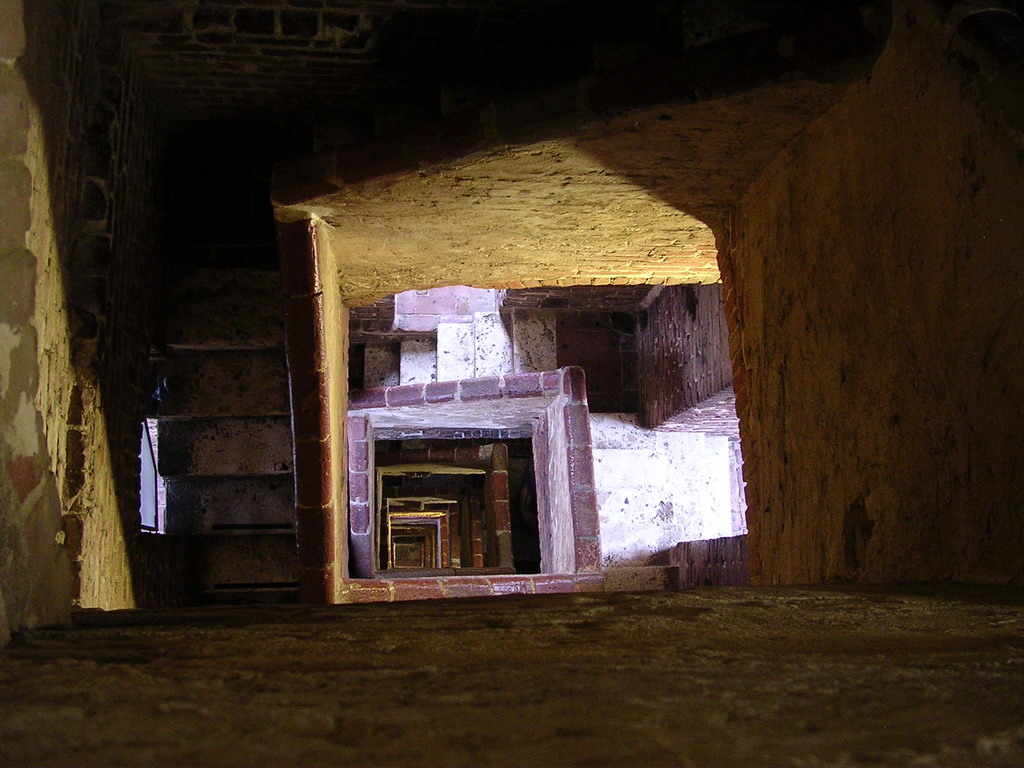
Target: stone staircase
pixel 224 438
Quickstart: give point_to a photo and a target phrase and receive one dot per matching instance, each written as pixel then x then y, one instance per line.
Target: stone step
pixel 237 563
pixel 229 505
pixel 222 383
pixel 225 447
pixel 224 309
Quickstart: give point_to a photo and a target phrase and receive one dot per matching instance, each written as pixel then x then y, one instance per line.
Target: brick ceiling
pixel 330 57
pixel 514 143
pixel 411 59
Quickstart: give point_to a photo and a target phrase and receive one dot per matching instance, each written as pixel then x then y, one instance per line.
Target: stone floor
pixel 921 676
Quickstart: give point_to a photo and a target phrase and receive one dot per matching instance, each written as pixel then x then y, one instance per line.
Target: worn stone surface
pixel 492 345
pixel 657 488
pixel 197 505
pixel 556 539
pixel 418 363
pixel 503 206
pixel 223 308
pixel 254 446
pixel 234 562
pixel 737 678
pixel 381 366
pixel 456 351
pixel 223 383
pixel 81 282
pixel 711 562
pixel 533 341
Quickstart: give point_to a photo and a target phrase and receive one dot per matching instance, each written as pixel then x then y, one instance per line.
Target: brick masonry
pixel 683 351
pixel 565 390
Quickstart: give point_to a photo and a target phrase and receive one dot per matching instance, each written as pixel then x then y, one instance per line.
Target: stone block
pixel 549 584
pixel 577 424
pixel 198 505
pixel 588 582
pixel 534 346
pixel 364 591
pixel 408 394
pixel 456 351
pixel 581 467
pixel 361 555
pixel 226 562
pixel 368 398
pixel 511 585
pixel 224 309
pixel 381 365
pixel 523 385
pixel 358 453
pixel 588 554
pixel 492 345
pixel 552 381
pixel 358 428
pixel 219 447
pixel 641 579
pixel 583 503
pixel 225 383
pixel 440 391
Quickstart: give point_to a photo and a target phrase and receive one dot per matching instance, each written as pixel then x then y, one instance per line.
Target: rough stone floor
pixel 921 676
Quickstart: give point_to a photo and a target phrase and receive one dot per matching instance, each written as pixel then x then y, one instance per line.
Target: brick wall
pixel 603 344
pixel 880 328
pixel 683 351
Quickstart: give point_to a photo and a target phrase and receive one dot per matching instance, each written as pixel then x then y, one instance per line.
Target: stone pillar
pixel 501 516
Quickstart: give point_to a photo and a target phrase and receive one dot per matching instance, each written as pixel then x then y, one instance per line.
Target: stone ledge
pixel 645 579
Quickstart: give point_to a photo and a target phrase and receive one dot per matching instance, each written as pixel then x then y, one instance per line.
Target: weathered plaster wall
pixel 880 323
pixel 35 576
pixel 92 155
